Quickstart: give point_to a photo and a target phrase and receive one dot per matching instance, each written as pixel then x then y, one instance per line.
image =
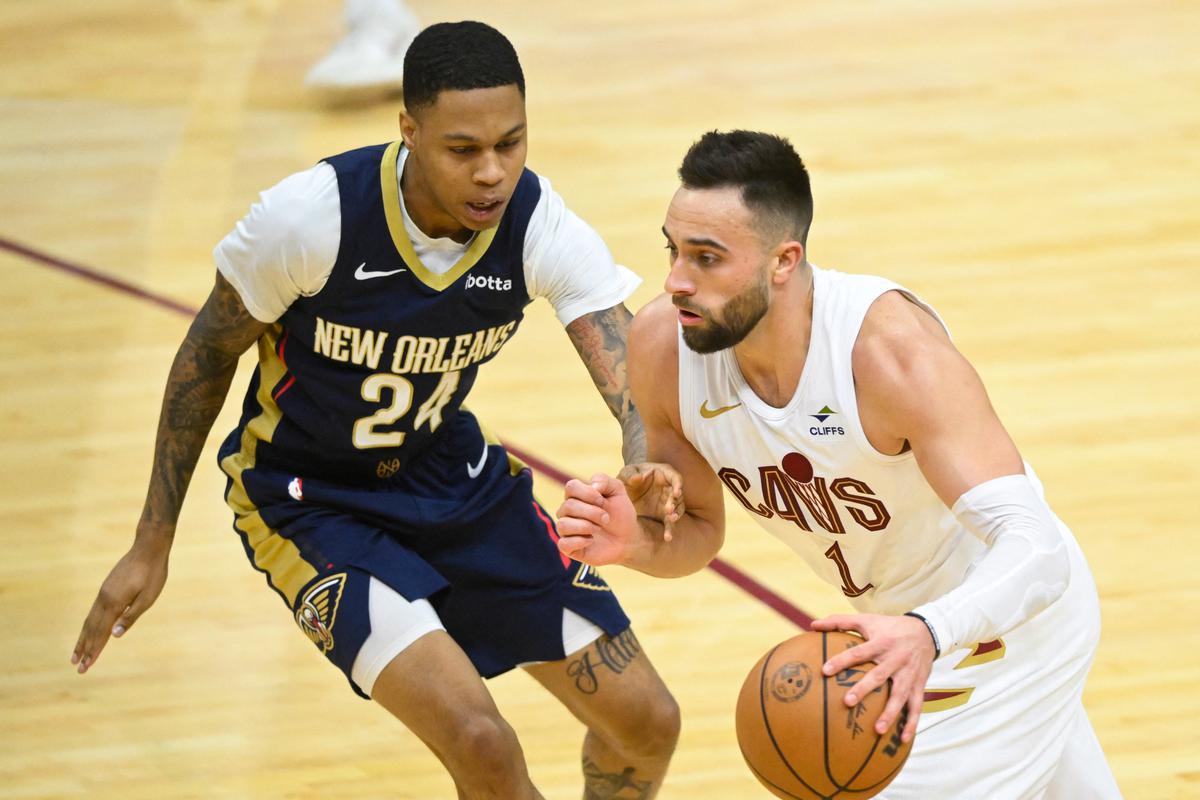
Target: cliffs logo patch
pixel 826 430
pixel 825 413
pixel 317 611
pixel 588 578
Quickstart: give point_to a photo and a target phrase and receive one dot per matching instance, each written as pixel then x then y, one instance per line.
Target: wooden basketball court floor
pixel 1030 168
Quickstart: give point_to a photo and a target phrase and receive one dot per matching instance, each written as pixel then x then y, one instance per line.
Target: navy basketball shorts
pixel 459 530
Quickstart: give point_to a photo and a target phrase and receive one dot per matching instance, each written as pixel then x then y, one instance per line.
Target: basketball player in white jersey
pixel 836 410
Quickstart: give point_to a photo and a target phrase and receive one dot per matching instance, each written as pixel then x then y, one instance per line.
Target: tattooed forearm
pixel 623 785
pixel 195 392
pixel 600 339
pixel 190 402
pixel 196 387
pixel 633 442
pixel 612 653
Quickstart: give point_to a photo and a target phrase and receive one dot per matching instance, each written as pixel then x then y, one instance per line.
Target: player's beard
pixel 738 317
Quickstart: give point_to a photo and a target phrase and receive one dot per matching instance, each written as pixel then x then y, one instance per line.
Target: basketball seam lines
pixel 762 703
pixel 842 787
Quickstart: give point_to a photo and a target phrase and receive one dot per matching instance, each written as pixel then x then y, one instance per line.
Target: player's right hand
pixel 597 523
pixel 130 588
pixel 903 652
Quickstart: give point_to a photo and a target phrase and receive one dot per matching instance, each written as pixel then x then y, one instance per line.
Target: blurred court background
pixel 1031 168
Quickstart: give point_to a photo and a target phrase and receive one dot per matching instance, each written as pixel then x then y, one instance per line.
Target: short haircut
pixel 452 56
pixel 765 167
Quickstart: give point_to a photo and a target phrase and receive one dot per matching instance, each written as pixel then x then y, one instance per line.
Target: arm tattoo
pixel 601 785
pixel 600 339
pixel 196 387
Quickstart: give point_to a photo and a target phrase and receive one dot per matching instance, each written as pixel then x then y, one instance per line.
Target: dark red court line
pixel 723 568
pixel 89 274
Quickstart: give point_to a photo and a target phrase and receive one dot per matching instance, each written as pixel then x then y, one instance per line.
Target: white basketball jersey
pixel 866 522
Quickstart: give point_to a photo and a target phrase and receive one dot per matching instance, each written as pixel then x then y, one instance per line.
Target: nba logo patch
pixel 588 578
pixel 296 489
pixel 317 610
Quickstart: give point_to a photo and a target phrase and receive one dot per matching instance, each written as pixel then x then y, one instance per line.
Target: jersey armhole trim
pixel 857 431
pixel 684 397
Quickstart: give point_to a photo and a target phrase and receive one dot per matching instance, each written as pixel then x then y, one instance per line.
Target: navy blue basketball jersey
pixel 357 380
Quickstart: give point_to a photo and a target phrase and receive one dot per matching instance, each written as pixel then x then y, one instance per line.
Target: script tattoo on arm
pixel 599 338
pixel 199 379
pixel 601 785
pixel 608 652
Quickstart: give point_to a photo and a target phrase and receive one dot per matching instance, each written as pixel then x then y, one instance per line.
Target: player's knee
pixel 651 728
pixel 485 746
pixel 664 723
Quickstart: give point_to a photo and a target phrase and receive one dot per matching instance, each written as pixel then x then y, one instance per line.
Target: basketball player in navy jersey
pixel 404 540
pixel 836 410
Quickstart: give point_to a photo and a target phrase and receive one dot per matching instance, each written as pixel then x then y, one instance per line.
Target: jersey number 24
pixel 366 430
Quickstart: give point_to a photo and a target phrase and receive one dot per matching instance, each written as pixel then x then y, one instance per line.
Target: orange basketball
pixel 799 737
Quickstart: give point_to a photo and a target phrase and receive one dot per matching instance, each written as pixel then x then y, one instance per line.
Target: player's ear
pixel 788 258
pixel 408 129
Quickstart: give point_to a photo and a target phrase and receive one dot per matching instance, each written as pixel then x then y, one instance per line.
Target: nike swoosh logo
pixel 362 274
pixel 474 471
pixel 709 413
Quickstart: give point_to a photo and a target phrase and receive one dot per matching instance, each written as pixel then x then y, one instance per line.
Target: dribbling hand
pixel 902 651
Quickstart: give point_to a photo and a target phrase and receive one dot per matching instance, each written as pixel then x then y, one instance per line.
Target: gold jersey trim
pixel 278 557
pixel 945 699
pixel 395 221
pixel 982 653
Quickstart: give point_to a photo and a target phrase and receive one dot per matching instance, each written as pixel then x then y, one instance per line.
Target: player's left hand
pixel 902 650
pixel 656 491
pixel 597 522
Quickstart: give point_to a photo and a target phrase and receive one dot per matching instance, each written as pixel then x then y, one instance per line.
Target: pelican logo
pixel 317 611
pixel 709 413
pixel 588 578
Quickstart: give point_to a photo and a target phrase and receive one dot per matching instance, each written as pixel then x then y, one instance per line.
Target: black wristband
pixel 937 648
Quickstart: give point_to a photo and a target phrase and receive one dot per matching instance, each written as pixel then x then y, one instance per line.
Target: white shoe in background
pixel 370 57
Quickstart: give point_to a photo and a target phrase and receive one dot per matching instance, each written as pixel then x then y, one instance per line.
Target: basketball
pixel 799 737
